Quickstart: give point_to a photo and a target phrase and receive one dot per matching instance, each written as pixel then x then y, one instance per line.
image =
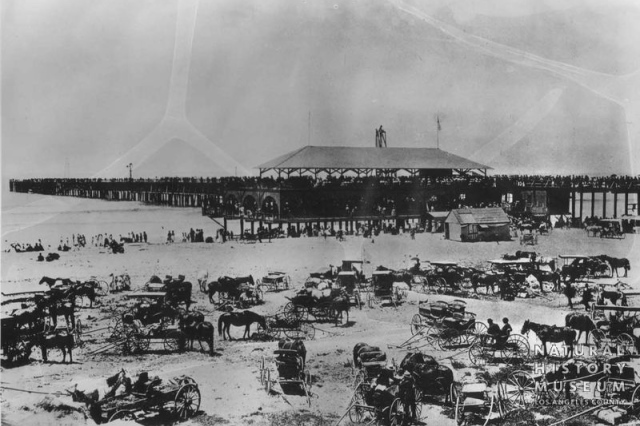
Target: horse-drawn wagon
pixel 487 348
pixel 325 306
pixel 611 228
pixel 444 325
pixel 287 325
pixel 293 377
pixel 383 288
pixel 274 281
pixel 177 398
pixel 620 330
pixel 349 281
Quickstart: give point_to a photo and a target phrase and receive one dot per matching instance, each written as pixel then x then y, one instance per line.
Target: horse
pixel 179 291
pixel 85 289
pixel 239 319
pixel 195 327
pixel 551 333
pixel 412 359
pixel 616 263
pixel 62 340
pixel 613 297
pixel 228 285
pixel 489 281
pixel 62 304
pixel 580 322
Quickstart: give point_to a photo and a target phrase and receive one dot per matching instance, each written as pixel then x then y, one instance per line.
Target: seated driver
pixel 506 330
pixel 494 330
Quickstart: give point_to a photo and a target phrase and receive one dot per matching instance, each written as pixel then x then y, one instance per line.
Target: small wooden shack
pixel 486 224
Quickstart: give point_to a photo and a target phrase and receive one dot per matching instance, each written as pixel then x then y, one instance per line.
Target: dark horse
pixel 179 291
pixel 580 322
pixel 431 378
pixel 551 333
pixel 228 285
pixel 83 290
pixel 62 340
pixel 194 327
pixel 616 263
pixel 239 319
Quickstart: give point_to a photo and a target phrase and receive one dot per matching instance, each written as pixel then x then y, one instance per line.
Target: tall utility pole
pixel 130 167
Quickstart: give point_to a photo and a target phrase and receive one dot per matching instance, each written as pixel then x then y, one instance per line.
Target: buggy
pixel 382 284
pixel 488 348
pixel 291 326
pixel 274 281
pixel 178 397
pixel 293 377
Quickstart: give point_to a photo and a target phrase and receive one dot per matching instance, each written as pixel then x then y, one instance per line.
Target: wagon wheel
pixel 294 313
pixel 261 367
pixel 459 411
pixel 418 399
pixel 396 413
pixel 448 339
pixel 140 343
pixel 102 288
pixel 626 344
pixel 125 415
pixel 478 353
pixel 474 331
pixel 635 400
pixel 308 330
pixel 598 336
pixel 174 340
pixel 441 285
pixel 516 348
pixel 518 390
pixel 267 382
pixel 431 336
pixel 356 412
pixel 187 401
pixel 416 324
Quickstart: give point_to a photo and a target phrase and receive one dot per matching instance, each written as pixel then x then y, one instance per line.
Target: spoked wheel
pixel 416 324
pixel 356 412
pixel 267 382
pixel 430 335
pixel 459 411
pixel 174 340
pixel 140 343
pixel 448 339
pixel 474 331
pixel 478 353
pixel 634 408
pixel 396 413
pixel 516 349
pixel 441 285
pixel 187 401
pixel 625 344
pixel 518 390
pixel 102 288
pixel 294 313
pixel 124 415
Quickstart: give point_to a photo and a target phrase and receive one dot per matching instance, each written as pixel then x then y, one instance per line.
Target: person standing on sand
pixel 569 292
pixel 144 236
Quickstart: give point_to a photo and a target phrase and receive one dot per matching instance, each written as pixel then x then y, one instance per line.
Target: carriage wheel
pixel 478 354
pixel 518 390
pixel 441 285
pixel 635 400
pixel 124 415
pixel 102 288
pixel 294 313
pixel 459 411
pixel 448 339
pixel 418 396
pixel 626 344
pixel 140 343
pixel 267 382
pixel 416 324
pixel 187 401
pixel 262 370
pixel 308 330
pixel 174 340
pixel 474 331
pixel 598 336
pixel 516 348
pixel 356 412
pixel 396 413
pixel 431 336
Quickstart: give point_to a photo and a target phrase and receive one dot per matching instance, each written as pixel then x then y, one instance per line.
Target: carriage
pixel 444 325
pixel 580 267
pixel 487 348
pixel 620 331
pixel 475 400
pixel 383 288
pixel 369 406
pixel 286 325
pixel 611 228
pixel 528 235
pixel 367 364
pixel 620 384
pixel 324 309
pixel 178 398
pixel 446 276
pixel 274 281
pixel 350 283
pixel 293 377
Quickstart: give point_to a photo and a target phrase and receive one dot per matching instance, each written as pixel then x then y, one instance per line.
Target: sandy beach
pixel 229 382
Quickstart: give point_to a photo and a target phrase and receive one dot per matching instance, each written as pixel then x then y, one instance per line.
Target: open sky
pixel 87 81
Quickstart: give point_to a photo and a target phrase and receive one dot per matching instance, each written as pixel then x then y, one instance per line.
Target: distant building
pixel 488 224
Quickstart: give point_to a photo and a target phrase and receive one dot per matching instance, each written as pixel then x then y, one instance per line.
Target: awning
pixel 437 215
